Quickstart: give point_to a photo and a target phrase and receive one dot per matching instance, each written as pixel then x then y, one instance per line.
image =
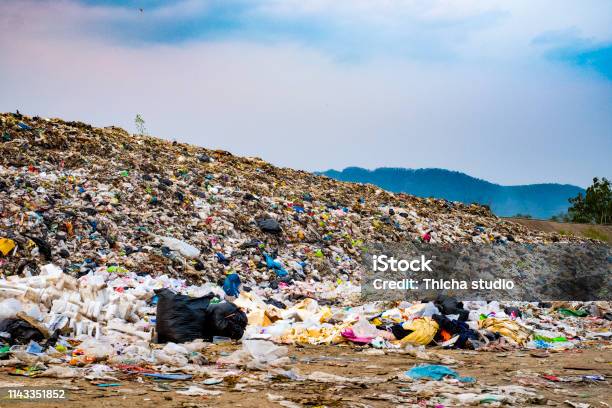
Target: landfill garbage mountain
pixel 130 259
pixel 82 197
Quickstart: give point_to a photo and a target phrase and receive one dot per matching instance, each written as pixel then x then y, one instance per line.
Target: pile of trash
pixel 444 322
pixel 83 197
pixel 120 317
pixel 119 252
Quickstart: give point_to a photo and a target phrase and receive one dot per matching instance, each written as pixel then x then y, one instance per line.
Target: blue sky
pixel 510 91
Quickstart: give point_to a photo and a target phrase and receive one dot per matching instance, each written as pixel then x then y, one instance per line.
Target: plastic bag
pixel 269 225
pixel 175 360
pixel 264 351
pixel 449 305
pixel 227 320
pixel 435 372
pixel 9 308
pixel 21 331
pixel 423 331
pixel 182 318
pixel 257 354
pixel 231 285
pixel 185 249
pixel 507 328
pixel 61 372
pixel 363 328
pixel 97 349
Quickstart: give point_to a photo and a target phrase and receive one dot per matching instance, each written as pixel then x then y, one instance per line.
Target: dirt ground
pixel 601 232
pixel 259 389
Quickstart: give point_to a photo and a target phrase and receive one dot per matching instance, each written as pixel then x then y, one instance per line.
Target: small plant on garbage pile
pixel 140 125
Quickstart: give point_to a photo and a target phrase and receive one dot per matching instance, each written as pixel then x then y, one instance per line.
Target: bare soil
pixel 567 228
pixel 251 388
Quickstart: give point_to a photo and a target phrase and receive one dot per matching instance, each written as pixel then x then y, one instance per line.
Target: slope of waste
pixel 83 197
pixel 110 241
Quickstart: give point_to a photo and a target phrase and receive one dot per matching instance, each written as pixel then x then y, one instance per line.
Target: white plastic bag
pixel 185 249
pixel 363 328
pixel 9 308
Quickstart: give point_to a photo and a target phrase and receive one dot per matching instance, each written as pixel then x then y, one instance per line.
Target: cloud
pixel 346 30
pixel 509 117
pixel 353 30
pixel 341 28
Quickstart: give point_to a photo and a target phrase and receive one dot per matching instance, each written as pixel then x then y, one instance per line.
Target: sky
pixel 514 92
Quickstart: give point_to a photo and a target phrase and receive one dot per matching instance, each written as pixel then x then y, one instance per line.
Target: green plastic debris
pixel 575 313
pixel 117 269
pixel 549 339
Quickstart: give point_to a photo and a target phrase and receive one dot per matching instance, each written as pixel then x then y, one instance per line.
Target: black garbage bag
pixel 449 305
pixel 269 225
pixel 182 318
pixel 20 331
pixel 227 319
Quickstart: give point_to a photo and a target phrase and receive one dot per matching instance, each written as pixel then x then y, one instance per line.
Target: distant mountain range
pixel 537 200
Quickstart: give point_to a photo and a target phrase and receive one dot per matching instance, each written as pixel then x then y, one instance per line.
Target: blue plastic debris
pixel 169 376
pixel 436 372
pixel 222 259
pixel 34 348
pixel 595 377
pixel 541 344
pixel 231 285
pixel 271 263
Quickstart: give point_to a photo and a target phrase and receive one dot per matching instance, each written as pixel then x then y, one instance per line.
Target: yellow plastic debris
pixel 259 318
pixel 424 330
pixel 325 314
pixel 318 335
pixel 507 328
pixel 6 245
